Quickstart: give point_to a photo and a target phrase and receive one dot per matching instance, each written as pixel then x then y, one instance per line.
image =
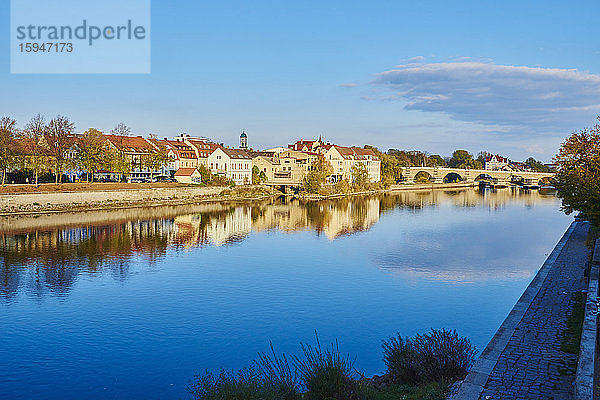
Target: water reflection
pixel 47 254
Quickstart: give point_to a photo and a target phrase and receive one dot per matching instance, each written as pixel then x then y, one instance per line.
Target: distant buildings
pixel 496 162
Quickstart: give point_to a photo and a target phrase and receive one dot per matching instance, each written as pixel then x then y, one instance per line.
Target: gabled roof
pixel 354 153
pixel 186 171
pixel 204 148
pixel 236 153
pixel 498 157
pixel 135 144
pixel 299 145
pixel 180 149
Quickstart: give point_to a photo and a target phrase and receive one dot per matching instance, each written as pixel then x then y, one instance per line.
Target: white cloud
pixel 529 100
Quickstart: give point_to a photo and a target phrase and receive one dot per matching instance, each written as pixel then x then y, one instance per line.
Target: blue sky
pixel 509 77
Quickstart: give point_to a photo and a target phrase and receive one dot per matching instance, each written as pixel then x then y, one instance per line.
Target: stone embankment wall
pixel 585 382
pixel 63 201
pixel 525 359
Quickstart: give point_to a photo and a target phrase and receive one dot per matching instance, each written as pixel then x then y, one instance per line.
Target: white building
pixel 496 162
pixel 342 159
pixel 234 164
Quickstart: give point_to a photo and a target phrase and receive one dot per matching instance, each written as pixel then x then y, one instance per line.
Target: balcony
pixel 282 174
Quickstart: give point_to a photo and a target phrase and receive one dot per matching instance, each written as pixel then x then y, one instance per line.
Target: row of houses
pixel 283 165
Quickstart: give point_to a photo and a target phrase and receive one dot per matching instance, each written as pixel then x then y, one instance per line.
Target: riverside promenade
pixel 524 359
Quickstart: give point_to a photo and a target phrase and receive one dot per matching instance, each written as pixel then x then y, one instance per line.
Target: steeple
pixel 243 140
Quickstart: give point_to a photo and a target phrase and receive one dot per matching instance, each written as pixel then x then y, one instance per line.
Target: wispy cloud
pixel 531 100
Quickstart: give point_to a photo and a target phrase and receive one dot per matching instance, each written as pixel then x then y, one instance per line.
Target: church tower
pixel 243 140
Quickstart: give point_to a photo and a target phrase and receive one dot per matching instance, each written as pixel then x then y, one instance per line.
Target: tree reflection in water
pixel 44 255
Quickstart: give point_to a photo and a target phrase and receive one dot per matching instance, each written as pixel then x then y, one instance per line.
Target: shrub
pixel 443 355
pixel 279 374
pixel 342 186
pixel 326 374
pixel 437 356
pixel 399 358
pixel 246 384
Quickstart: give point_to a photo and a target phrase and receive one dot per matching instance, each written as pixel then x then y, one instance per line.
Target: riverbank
pixel 530 356
pixel 50 198
pixel 97 198
pixel 391 189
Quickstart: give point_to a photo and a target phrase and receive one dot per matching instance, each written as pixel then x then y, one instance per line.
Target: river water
pixel 132 303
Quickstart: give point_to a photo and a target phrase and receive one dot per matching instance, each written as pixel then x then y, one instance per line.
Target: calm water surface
pixel 130 304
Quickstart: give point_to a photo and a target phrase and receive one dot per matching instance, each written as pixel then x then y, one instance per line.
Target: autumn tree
pixel 92 152
pixel 463 159
pixel 8 144
pixel 120 162
pixel 403 157
pixel 36 152
pixel 435 160
pixel 360 176
pixel 258 176
pixel 205 174
pixel 391 169
pixel 59 137
pixel 482 156
pixel 537 166
pixel 316 177
pixel 157 158
pixel 578 173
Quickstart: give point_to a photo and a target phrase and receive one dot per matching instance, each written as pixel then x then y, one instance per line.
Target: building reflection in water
pixel 46 255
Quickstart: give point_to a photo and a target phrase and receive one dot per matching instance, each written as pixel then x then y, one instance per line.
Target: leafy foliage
pixel 258 176
pixel 578 175
pixel 8 133
pixel 463 159
pixel 360 176
pixel 59 138
pixel 92 155
pixel 537 166
pixel 315 178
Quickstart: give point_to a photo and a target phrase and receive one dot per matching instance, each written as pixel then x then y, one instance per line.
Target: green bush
pixel 246 384
pixel 399 357
pixel 326 374
pixel 437 356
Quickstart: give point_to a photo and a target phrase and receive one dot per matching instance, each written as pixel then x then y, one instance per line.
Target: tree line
pixel 54 147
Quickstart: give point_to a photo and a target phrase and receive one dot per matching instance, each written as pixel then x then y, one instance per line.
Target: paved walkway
pixel 532 366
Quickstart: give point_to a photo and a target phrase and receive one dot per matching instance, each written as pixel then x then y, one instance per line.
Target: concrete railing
pixel 586 366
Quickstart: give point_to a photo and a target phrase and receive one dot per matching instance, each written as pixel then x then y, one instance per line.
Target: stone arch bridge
pixel 442 175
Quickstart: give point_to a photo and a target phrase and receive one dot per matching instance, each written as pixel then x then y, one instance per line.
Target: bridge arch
pixel 423 177
pixel 453 177
pixel 483 177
